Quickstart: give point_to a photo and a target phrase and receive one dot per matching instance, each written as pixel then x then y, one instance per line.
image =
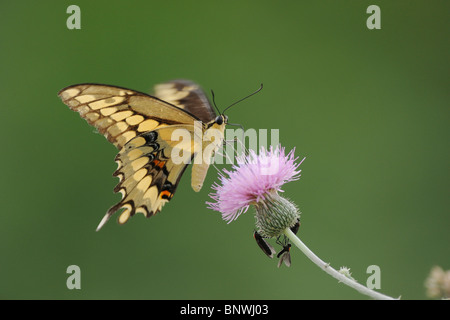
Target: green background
pixel 368 108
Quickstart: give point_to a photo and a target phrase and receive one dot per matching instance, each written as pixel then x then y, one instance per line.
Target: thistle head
pixel 257 180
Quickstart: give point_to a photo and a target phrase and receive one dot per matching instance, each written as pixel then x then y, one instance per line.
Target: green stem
pixel 332 272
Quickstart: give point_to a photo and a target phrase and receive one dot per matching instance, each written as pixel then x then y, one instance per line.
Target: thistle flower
pixel 256 180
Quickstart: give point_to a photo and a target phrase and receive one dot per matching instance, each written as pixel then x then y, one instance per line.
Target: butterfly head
pixel 221 119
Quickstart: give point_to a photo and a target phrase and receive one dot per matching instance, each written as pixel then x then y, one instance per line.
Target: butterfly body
pixel 143 128
pixel 213 138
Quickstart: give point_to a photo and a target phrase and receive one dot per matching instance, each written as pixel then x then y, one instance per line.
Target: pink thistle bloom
pixel 253 180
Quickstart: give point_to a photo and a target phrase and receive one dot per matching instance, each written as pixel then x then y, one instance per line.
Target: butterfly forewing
pixel 149 172
pixel 121 114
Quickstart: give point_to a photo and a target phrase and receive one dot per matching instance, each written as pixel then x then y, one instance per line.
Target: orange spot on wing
pixel 159 164
pixel 166 194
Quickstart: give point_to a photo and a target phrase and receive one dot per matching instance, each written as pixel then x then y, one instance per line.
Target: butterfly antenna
pixel 251 94
pixel 214 101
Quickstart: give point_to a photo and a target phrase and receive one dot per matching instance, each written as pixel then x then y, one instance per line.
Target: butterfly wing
pixel 149 168
pixel 188 96
pixel 121 114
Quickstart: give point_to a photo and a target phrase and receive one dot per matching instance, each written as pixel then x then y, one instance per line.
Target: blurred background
pixel 369 109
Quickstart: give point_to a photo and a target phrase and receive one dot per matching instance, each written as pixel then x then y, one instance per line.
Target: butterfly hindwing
pixel 149 170
pixel 188 96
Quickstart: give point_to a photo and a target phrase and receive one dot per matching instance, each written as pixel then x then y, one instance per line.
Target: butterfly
pixel 146 130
